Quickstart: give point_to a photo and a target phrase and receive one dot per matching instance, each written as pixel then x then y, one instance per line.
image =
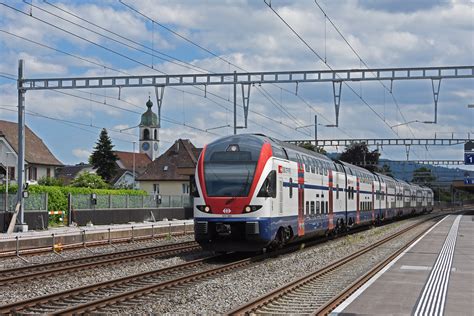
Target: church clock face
pixel 155 146
pixel 145 146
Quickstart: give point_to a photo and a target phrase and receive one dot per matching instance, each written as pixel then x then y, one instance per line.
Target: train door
pixel 331 201
pixel 357 200
pixel 373 201
pixel 280 195
pixel 300 197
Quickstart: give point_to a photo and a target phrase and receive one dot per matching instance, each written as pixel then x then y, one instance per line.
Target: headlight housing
pixel 252 208
pixel 204 208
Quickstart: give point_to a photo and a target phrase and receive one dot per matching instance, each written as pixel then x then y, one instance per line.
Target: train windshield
pixel 229 165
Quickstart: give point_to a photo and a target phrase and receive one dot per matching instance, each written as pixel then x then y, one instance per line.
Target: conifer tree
pixel 103 158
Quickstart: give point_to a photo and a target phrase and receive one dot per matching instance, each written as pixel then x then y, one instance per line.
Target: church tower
pixel 149 132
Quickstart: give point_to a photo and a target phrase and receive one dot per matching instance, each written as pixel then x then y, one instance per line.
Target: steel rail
pixel 36 271
pixel 75 293
pixel 254 306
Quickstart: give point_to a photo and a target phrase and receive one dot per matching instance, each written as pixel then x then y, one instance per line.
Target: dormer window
pixel 165 168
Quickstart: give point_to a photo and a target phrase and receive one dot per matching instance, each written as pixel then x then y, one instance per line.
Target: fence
pixel 34 202
pixel 85 202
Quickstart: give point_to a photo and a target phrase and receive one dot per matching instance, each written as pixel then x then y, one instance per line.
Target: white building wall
pixel 166 187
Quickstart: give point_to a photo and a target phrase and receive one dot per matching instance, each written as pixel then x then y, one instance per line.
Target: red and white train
pixel 254 192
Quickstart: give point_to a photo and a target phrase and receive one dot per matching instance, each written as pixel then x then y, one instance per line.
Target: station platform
pixel 434 276
pixel 71 236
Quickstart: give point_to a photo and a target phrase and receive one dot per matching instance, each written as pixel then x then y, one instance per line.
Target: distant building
pixel 39 161
pixel 68 173
pixel 173 171
pixel 125 166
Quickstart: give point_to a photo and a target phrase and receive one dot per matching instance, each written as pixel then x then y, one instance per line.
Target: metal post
pixel 316 130
pixel 18 250
pixel 435 84
pixel 21 139
pixel 133 234
pixel 152 231
pixel 134 165
pixel 235 102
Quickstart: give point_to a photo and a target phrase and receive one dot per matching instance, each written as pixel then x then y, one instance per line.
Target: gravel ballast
pixel 226 292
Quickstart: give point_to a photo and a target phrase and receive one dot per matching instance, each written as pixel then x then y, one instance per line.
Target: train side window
pixel 307 207
pixel 306 163
pixel 337 191
pixel 312 207
pixel 291 188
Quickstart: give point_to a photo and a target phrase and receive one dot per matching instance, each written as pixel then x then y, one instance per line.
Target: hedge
pixel 57 196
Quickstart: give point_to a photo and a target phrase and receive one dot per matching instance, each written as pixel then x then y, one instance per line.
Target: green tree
pixel 89 180
pixel 359 154
pixel 423 176
pixel 103 158
pixel 309 146
pixel 48 181
pixel 386 170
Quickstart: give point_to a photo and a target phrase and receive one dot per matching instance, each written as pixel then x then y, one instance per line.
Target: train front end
pixel 234 186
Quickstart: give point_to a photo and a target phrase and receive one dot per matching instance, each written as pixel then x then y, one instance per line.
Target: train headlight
pixel 252 208
pixel 203 208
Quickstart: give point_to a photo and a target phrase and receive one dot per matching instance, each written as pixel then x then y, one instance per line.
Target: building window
pixel 312 207
pixel 32 173
pixel 48 172
pixel 11 173
pixel 185 188
pixel 307 207
pixel 156 134
pixel 156 188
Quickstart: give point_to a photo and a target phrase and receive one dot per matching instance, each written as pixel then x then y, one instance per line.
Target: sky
pixel 115 38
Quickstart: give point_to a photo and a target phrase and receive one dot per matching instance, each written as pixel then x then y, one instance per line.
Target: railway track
pixel 321 291
pixel 47 269
pixel 102 295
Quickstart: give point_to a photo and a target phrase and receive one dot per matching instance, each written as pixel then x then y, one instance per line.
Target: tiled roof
pixel 181 155
pixel 69 173
pixel 36 152
pixel 125 161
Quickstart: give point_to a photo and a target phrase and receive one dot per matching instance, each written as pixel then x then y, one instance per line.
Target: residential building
pixel 68 173
pixel 172 172
pixel 127 162
pixel 39 160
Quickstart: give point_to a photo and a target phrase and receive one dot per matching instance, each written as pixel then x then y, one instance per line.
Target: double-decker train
pixel 253 192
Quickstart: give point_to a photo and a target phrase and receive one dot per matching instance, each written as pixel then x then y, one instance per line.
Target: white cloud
pixel 80 153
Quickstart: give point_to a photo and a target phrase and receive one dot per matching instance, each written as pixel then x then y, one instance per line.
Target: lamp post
pixel 134 186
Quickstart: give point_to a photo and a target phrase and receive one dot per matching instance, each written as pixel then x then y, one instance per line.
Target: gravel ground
pixel 224 293
pixel 49 257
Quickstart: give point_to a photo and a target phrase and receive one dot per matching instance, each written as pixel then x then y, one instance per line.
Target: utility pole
pixel 316 130
pixel 134 186
pixel 21 145
pixel 235 102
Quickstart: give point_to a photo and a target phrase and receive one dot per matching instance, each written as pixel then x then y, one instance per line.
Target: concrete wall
pixel 122 216
pixel 36 220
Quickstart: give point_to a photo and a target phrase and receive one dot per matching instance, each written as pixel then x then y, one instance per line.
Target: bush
pixel 89 180
pixel 48 181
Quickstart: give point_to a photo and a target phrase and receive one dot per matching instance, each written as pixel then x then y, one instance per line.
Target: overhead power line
pixel 113 51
